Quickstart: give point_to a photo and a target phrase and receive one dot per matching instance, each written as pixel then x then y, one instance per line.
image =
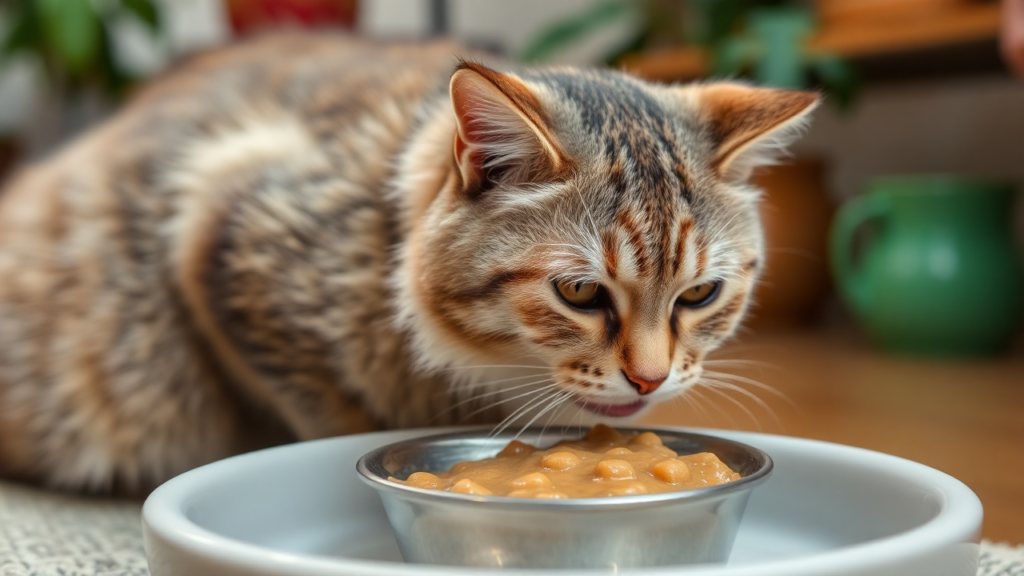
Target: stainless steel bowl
pixel 433 527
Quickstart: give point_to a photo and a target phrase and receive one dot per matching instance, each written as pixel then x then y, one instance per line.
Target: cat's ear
pixel 501 132
pixel 751 127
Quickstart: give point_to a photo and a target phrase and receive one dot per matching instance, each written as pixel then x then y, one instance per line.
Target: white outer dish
pixel 300 510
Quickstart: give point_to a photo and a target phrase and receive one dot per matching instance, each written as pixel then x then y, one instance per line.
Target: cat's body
pixel 277 241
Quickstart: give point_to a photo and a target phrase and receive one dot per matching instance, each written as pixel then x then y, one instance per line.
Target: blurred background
pixel 890 316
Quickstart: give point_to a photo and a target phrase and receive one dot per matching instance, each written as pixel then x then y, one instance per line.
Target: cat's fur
pixel 309 235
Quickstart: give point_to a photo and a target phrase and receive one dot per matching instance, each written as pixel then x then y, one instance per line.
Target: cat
pixel 307 235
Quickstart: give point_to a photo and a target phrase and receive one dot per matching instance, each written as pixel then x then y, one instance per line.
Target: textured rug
pixel 47 534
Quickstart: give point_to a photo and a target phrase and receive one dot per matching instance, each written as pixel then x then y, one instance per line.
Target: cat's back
pixel 321 78
pixel 285 104
pixel 332 85
pixel 106 245
pixel 282 99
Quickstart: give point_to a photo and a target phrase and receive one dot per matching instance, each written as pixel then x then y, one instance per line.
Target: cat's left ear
pixel 501 133
pixel 751 127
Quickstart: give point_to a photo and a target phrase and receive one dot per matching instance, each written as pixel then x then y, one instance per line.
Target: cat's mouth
pixel 613 410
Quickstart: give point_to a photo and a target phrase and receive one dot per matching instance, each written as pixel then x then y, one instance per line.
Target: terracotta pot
pixel 253 15
pixel 796 212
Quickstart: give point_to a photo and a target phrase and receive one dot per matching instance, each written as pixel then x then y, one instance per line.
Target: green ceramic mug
pixel 940 274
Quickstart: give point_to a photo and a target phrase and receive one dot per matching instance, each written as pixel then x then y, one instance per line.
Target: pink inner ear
pixel 469 161
pixel 470 140
pixel 498 136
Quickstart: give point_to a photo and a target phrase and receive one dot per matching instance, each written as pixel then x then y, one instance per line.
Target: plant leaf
pixel 72 31
pixel 24 28
pixel 734 56
pixel 568 31
pixel 113 79
pixel 838 77
pixel 146 11
pixel 635 43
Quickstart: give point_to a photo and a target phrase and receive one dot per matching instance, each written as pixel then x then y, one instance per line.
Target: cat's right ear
pixel 501 133
pixel 751 126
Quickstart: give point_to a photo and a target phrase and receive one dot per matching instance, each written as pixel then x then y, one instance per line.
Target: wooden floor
pixel 965 418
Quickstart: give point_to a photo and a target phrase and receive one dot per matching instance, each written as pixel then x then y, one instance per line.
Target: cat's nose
pixel 644 384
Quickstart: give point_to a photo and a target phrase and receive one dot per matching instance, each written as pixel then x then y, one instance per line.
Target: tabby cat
pixel 308 235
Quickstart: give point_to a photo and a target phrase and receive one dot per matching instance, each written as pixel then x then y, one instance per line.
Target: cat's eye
pixel 699 295
pixel 585 295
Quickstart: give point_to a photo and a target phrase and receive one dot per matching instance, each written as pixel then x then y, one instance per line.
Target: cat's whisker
pixel 729 386
pixel 568 424
pixel 489 383
pixel 744 330
pixel 717 387
pixel 487 366
pixel 522 410
pixel 579 414
pixel 691 403
pixel 552 403
pixel 499 391
pixel 741 390
pixel 715 405
pixel 742 363
pixel 691 398
pixel 751 382
pixel 504 400
pixel 677 404
pixel 471 399
pixel 554 415
pixel 529 405
pixel 458 388
pixel 753 418
pixel 558 406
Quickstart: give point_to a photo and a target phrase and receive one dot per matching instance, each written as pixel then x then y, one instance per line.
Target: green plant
pixel 761 39
pixel 771 47
pixel 72 39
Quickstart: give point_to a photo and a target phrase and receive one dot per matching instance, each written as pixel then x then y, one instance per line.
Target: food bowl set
pixel 814 509
pixel 673 528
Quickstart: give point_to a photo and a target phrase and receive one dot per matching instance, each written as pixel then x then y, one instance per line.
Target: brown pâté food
pixel 604 463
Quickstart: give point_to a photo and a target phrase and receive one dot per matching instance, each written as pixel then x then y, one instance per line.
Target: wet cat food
pixel 604 463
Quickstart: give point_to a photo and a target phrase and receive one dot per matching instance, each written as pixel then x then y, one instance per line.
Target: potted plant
pixel 72 43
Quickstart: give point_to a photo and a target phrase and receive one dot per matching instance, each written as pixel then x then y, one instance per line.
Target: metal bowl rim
pixel 616 502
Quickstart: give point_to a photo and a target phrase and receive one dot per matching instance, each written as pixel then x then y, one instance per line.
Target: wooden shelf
pixel 961 24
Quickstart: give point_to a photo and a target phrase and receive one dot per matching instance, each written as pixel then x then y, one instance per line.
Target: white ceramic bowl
pixel 301 510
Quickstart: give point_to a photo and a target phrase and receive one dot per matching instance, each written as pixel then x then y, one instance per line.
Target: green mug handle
pixel 852 214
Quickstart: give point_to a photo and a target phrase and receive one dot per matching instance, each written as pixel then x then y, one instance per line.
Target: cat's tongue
pixel 614 410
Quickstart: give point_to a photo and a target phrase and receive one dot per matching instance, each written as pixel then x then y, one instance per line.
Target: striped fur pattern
pixel 311 235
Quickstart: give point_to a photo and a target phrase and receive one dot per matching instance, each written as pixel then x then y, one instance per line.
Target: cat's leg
pixel 103 385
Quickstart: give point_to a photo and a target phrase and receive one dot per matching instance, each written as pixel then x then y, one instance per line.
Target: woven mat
pixel 47 534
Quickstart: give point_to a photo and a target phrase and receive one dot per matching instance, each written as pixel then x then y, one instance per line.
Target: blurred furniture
pixel 940 274
pixel 796 212
pixel 8 155
pixel 952 37
pixel 248 16
pixel 966 419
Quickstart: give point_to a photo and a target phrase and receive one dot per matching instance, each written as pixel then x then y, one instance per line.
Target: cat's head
pixel 593 222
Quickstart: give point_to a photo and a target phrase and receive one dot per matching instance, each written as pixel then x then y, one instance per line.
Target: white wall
pixel 973 126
